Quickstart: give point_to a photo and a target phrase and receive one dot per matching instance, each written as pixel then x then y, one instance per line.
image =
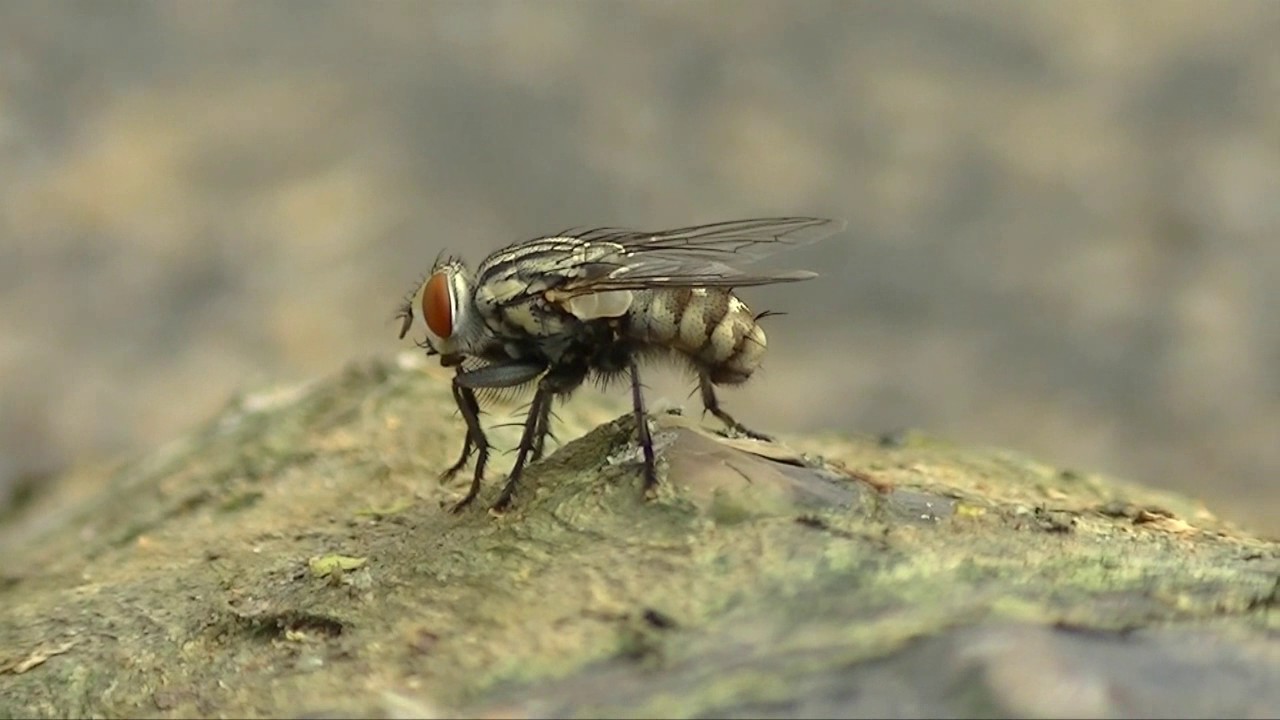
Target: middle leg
pixel 541 432
pixel 533 420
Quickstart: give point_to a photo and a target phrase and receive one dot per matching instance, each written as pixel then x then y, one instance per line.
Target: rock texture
pixel 1062 219
pixel 292 557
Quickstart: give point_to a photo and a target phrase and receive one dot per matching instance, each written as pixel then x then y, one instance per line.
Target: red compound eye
pixel 437 308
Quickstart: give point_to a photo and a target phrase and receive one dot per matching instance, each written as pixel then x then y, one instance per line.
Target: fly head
pixel 445 301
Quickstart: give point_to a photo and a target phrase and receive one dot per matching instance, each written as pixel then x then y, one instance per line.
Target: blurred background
pixel 1062 216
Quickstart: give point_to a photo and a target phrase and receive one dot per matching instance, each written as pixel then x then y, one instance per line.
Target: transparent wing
pixel 698 256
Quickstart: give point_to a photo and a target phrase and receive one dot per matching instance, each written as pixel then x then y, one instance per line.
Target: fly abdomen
pixel 710 326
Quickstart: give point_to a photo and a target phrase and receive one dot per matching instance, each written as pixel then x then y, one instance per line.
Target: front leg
pixel 464 386
pixel 465 398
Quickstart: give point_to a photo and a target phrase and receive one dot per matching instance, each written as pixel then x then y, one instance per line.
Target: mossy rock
pixel 294 557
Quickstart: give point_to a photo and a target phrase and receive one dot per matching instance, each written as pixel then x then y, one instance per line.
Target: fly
pixel 557 310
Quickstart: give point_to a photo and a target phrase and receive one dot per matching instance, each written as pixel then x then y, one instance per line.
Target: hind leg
pixel 712 405
pixel 642 429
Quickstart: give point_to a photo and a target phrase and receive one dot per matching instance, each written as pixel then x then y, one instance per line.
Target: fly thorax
pixel 533 319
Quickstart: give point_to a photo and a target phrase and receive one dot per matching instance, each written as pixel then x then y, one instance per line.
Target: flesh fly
pixel 555 311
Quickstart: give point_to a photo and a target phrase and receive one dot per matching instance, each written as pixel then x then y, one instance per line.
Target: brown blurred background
pixel 1062 216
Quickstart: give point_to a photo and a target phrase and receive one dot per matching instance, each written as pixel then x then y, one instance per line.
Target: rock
pixel 822 576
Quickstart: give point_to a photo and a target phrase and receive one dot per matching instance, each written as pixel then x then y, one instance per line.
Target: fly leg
pixel 453 469
pixel 559 381
pixel 712 404
pixel 541 432
pixel 466 399
pixel 642 429
pixel 464 386
pixel 535 419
